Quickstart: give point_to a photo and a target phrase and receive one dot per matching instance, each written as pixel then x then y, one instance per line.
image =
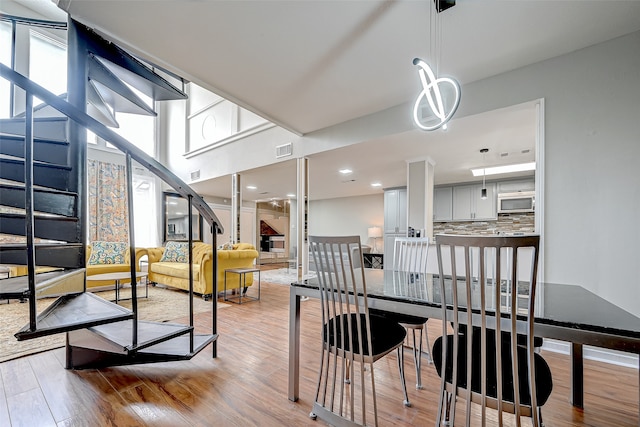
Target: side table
pixel 117 278
pixel 242 288
pixel 373 260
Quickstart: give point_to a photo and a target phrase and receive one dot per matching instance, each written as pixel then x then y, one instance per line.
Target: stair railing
pixel 132 153
pixel 115 139
pixel 15 20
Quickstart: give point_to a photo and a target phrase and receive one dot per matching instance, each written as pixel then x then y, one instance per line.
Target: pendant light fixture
pixel 483 192
pixel 440 96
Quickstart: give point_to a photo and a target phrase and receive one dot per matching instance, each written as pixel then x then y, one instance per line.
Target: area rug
pixel 282 276
pixel 163 304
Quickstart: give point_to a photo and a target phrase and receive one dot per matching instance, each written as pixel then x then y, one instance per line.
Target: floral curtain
pixel 108 218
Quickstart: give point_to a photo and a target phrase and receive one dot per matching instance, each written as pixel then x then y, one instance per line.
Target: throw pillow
pixel 175 252
pixel 107 253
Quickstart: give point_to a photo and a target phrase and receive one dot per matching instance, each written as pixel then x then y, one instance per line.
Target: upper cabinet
pixel 442 203
pixel 463 202
pixel 395 211
pixel 468 205
pixel 515 186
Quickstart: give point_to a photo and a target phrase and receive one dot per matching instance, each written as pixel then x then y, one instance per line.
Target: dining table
pixel 564 312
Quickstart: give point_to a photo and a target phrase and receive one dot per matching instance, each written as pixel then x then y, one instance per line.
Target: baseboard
pixel 594 353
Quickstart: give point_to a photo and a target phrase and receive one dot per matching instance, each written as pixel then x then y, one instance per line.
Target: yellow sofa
pixel 176 274
pixel 91 269
pixel 101 268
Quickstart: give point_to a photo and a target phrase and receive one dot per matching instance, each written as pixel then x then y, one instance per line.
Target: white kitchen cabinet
pixel 395 220
pixel 467 204
pixel 517 185
pixel 442 203
pixel 395 211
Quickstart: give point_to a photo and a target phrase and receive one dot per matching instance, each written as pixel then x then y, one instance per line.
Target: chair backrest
pixel 339 276
pixel 410 254
pixel 490 274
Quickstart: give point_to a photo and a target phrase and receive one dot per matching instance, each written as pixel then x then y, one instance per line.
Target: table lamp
pixel 374 233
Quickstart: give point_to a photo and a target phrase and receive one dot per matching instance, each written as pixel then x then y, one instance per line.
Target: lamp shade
pixel 374 232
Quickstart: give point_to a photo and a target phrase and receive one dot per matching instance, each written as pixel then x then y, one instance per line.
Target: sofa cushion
pixel 176 269
pixel 175 252
pixel 107 253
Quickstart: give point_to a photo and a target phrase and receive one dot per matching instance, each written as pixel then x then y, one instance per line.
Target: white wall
pixel 347 216
pixel 592 146
pixel 592 132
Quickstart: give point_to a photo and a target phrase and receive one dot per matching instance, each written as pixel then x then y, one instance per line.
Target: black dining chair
pixel 351 339
pixel 495 276
pixel 410 264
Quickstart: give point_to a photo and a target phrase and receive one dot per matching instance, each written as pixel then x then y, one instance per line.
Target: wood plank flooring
pixel 247 384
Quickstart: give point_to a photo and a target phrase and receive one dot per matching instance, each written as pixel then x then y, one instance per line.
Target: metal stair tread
pixel 22 246
pixel 19 138
pixel 149 333
pixel 18 287
pixel 39 215
pixel 45 200
pixel 77 311
pixel 115 91
pixel 5 183
pixel 44 127
pixel 179 346
pixel 18 160
pixel 64 255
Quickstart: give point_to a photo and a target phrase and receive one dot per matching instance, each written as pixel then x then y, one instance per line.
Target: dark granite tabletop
pixel 567 312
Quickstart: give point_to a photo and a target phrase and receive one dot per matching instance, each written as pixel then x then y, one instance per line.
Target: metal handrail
pixel 118 141
pixel 58 25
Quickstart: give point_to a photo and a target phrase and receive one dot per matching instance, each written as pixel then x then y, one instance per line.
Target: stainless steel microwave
pixel 523 201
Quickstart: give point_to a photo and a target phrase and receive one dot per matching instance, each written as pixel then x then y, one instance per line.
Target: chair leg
pixel 402 380
pixel 417 356
pixel 448 418
pixel 426 338
pixel 347 378
pixel 540 422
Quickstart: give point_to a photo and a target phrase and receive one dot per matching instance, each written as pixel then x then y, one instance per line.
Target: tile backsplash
pixel 506 223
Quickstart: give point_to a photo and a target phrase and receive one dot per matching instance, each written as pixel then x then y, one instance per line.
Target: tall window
pixel 144 210
pixel 48 63
pixel 138 129
pixel 5 58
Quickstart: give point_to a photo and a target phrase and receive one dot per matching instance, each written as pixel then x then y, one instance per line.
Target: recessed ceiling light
pixel 291 195
pixel 521 167
pixel 376 184
pixel 345 171
pixel 251 187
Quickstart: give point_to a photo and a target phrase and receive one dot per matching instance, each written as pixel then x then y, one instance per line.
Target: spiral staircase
pixel 43 196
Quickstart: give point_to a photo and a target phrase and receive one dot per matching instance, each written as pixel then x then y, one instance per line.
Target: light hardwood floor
pixel 247 384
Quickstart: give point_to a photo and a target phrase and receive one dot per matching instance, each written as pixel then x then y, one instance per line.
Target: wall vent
pixel 195 175
pixel 284 150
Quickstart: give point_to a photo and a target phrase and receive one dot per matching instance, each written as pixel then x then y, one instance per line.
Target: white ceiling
pixel 310 64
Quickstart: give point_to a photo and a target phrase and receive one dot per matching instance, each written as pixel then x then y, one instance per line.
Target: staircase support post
pixel 132 251
pixel 28 203
pixel 77 78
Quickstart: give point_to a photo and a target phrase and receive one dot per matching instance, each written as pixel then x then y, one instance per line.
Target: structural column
pixel 420 196
pixel 236 206
pixel 302 196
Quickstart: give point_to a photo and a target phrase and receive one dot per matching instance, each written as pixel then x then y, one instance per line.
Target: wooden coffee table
pixel 117 278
